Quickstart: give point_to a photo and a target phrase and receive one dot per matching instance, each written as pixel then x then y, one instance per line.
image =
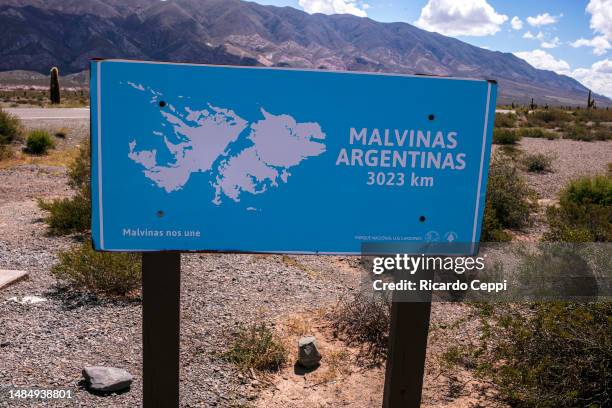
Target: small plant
pixel 537 163
pixel 54 86
pixel 536 132
pixel 364 321
pixel 67 215
pixel 602 133
pixel 39 142
pixel 257 347
pixel 5 152
pixel 505 120
pixel 115 274
pixel 584 211
pixel 492 228
pixel 61 133
pixel 10 128
pixel 505 136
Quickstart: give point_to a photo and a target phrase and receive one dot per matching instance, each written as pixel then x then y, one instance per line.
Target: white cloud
pixel 599 44
pixel 543 60
pixel 601 17
pixel 601 23
pixel 516 23
pixel 554 43
pixel 334 7
pixel 542 19
pixel 598 77
pixel 460 17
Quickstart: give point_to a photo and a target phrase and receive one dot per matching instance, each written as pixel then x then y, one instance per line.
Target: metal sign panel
pixel 214 158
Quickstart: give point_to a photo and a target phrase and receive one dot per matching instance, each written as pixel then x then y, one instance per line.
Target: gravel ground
pixel 571 159
pixel 45 345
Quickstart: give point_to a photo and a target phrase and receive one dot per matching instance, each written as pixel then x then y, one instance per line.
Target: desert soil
pixel 46 344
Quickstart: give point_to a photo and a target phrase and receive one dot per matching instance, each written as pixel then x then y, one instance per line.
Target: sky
pixel 570 37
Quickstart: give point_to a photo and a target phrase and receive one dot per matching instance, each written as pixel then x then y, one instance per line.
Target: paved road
pixel 70 113
pixel 49 113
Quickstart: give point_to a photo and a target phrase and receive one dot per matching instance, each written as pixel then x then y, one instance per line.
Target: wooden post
pixel 161 286
pixel 407 348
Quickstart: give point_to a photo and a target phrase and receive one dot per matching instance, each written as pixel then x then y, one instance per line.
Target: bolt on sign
pixel 214 158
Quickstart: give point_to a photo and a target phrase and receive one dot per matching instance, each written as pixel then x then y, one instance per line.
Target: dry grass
pixel 292 262
pixel 60 158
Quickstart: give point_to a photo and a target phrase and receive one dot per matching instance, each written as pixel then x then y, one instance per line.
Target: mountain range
pixel 38 34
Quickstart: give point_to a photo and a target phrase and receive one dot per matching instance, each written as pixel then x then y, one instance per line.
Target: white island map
pixel 241 156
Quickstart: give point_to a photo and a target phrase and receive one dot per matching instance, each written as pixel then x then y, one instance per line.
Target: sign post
pixel 189 158
pixel 407 350
pixel 161 286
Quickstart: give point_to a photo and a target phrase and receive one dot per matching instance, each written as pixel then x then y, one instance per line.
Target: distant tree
pixel 54 88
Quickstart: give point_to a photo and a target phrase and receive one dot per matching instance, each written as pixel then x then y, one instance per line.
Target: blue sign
pixel 214 158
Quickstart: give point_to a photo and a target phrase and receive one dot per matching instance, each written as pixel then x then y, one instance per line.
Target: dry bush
pixel 6 152
pixel 257 347
pixel 363 321
pixel 537 162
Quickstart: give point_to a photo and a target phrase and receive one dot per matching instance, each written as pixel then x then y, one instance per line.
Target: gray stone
pixel 107 379
pixel 308 354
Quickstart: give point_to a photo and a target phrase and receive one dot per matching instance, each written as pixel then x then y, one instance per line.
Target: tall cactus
pixel 590 101
pixel 54 88
pixel 532 105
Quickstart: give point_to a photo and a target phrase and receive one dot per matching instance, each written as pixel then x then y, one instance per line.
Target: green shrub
pixel 602 133
pixel 508 199
pixel 549 118
pixel 536 133
pixel 38 142
pixel 70 215
pixel 584 213
pixel 67 215
pixel 10 128
pixel 257 347
pixel 505 136
pixel 492 229
pixel 108 273
pixel 578 132
pixel 593 115
pixel 505 120
pixel 557 355
pixel 537 163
